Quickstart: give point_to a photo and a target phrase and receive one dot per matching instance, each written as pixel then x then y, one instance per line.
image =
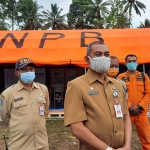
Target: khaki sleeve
pixel 146 99
pixel 74 110
pixel 125 104
pixel 5 108
pixel 120 77
pixel 47 103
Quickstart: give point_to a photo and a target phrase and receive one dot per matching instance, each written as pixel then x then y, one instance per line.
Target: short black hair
pixel 130 55
pixel 114 57
pixel 89 48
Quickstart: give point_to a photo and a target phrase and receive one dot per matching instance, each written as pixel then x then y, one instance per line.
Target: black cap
pixel 21 63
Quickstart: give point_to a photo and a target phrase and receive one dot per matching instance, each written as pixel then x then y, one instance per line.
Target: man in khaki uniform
pixel 95 105
pixel 25 106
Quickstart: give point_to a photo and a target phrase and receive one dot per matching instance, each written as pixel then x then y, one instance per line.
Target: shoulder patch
pixel 10 87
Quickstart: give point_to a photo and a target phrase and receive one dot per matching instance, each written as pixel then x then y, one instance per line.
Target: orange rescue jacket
pixel 137 94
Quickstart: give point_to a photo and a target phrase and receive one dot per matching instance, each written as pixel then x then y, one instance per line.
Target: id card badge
pixel 118 111
pixel 41 110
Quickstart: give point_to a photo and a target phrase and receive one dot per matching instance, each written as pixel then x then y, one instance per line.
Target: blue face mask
pixel 132 66
pixel 27 77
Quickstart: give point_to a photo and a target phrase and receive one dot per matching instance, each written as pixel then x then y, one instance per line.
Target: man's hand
pixel 134 109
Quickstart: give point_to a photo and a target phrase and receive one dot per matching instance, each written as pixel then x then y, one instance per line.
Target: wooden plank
pixel 56 114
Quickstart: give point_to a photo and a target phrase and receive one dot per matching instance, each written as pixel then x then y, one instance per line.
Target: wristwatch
pixel 140 108
pixel 109 148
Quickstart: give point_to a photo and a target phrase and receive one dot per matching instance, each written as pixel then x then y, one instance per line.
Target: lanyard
pixel 115 94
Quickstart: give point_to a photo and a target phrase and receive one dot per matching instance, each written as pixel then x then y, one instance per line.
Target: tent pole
pixel 144 68
pixel 85 70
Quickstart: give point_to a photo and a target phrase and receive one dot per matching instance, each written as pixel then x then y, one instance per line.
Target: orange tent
pixel 60 47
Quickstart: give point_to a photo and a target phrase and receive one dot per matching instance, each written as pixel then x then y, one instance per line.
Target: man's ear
pixel 17 74
pixel 87 60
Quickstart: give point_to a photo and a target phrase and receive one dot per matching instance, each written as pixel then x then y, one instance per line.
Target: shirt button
pixel 113 116
pixel 115 131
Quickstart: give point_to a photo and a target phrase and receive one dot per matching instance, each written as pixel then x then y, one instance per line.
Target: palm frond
pixel 136 9
pixel 123 2
pixel 141 6
pixel 126 7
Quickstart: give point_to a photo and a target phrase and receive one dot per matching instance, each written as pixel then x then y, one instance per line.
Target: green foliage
pixel 97 10
pixel 9 11
pixel 29 18
pixel 117 18
pixel 83 14
pixel 76 16
pixel 146 24
pixel 4 25
pixel 53 19
pixel 133 4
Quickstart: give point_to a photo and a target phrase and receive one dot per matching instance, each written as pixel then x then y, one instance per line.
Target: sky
pixel 64 4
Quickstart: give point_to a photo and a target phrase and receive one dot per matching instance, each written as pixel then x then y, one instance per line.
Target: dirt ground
pixel 60 137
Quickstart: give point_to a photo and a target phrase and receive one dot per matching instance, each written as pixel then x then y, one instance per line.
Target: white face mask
pixel 100 64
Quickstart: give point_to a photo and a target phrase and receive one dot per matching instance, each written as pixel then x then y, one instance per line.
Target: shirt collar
pixel 92 78
pixel 137 73
pixel 20 86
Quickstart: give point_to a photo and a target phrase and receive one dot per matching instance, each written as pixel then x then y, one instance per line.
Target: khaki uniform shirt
pixel 124 87
pixel 90 102
pixel 21 110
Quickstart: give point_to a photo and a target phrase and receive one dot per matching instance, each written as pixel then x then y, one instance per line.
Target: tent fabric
pixel 62 47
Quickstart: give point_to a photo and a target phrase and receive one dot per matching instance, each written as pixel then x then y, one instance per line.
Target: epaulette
pixel 9 88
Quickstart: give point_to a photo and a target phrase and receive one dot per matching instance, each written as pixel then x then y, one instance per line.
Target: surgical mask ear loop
pixel 89 57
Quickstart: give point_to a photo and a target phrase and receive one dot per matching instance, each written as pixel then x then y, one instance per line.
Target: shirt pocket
pixel 41 100
pixel 20 107
pixel 141 87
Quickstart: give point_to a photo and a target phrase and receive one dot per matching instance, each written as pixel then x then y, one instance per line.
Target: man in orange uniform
pixel 138 85
pixel 114 70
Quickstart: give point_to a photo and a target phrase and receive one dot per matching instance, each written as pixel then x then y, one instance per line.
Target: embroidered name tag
pixel 93 92
pixel 139 78
pixel 125 79
pixel 18 99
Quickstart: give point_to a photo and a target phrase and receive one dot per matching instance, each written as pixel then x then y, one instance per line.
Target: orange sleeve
pixel 146 99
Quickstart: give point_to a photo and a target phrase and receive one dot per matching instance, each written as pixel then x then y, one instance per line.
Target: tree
pixel 98 9
pixel 3 25
pixel 9 11
pixel 116 18
pixel 53 18
pixel 77 15
pixel 29 18
pixel 146 24
pixel 133 4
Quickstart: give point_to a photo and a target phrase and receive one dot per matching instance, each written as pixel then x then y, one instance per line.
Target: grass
pixel 60 137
